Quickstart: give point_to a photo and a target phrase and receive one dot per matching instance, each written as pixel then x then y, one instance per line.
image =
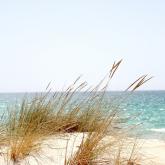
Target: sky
pixel 43 41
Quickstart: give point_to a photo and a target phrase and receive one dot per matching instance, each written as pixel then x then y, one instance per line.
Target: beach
pixel 68 130
pixel 82 82
pixel 55 150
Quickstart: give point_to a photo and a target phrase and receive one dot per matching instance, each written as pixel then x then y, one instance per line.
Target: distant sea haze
pixel 148 107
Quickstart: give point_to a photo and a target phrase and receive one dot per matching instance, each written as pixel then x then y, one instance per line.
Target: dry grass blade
pixel 114 68
pixel 48 85
pixel 139 82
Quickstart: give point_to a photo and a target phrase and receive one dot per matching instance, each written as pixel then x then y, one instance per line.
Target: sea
pixel 144 109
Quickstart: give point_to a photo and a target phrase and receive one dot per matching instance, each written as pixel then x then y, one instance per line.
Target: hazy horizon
pixel 43 41
pixel 43 91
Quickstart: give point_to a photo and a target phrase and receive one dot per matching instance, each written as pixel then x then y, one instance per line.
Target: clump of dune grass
pixel 92 147
pixel 62 112
pixel 23 131
pixel 43 116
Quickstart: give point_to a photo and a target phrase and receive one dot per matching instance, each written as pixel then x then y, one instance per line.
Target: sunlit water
pixel 146 108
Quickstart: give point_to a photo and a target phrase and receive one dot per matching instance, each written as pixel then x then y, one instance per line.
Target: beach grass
pixel 50 114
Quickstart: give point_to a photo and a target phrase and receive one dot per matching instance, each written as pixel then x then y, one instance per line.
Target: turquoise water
pixel 148 107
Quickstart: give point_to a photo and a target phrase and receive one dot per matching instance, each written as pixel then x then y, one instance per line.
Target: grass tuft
pixel 57 113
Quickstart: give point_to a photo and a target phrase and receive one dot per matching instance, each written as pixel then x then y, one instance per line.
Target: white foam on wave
pixel 158 130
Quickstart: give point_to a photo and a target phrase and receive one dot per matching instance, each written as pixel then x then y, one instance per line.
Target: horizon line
pixel 147 90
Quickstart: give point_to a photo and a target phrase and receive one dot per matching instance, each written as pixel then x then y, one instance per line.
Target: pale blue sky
pixel 50 40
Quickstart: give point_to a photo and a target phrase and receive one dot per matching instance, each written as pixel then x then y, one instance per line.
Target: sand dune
pixel 53 151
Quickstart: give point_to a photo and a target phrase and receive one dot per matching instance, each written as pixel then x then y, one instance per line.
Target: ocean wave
pixel 162 130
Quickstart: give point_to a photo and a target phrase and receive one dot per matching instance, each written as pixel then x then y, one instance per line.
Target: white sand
pixel 53 151
pixel 154 151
